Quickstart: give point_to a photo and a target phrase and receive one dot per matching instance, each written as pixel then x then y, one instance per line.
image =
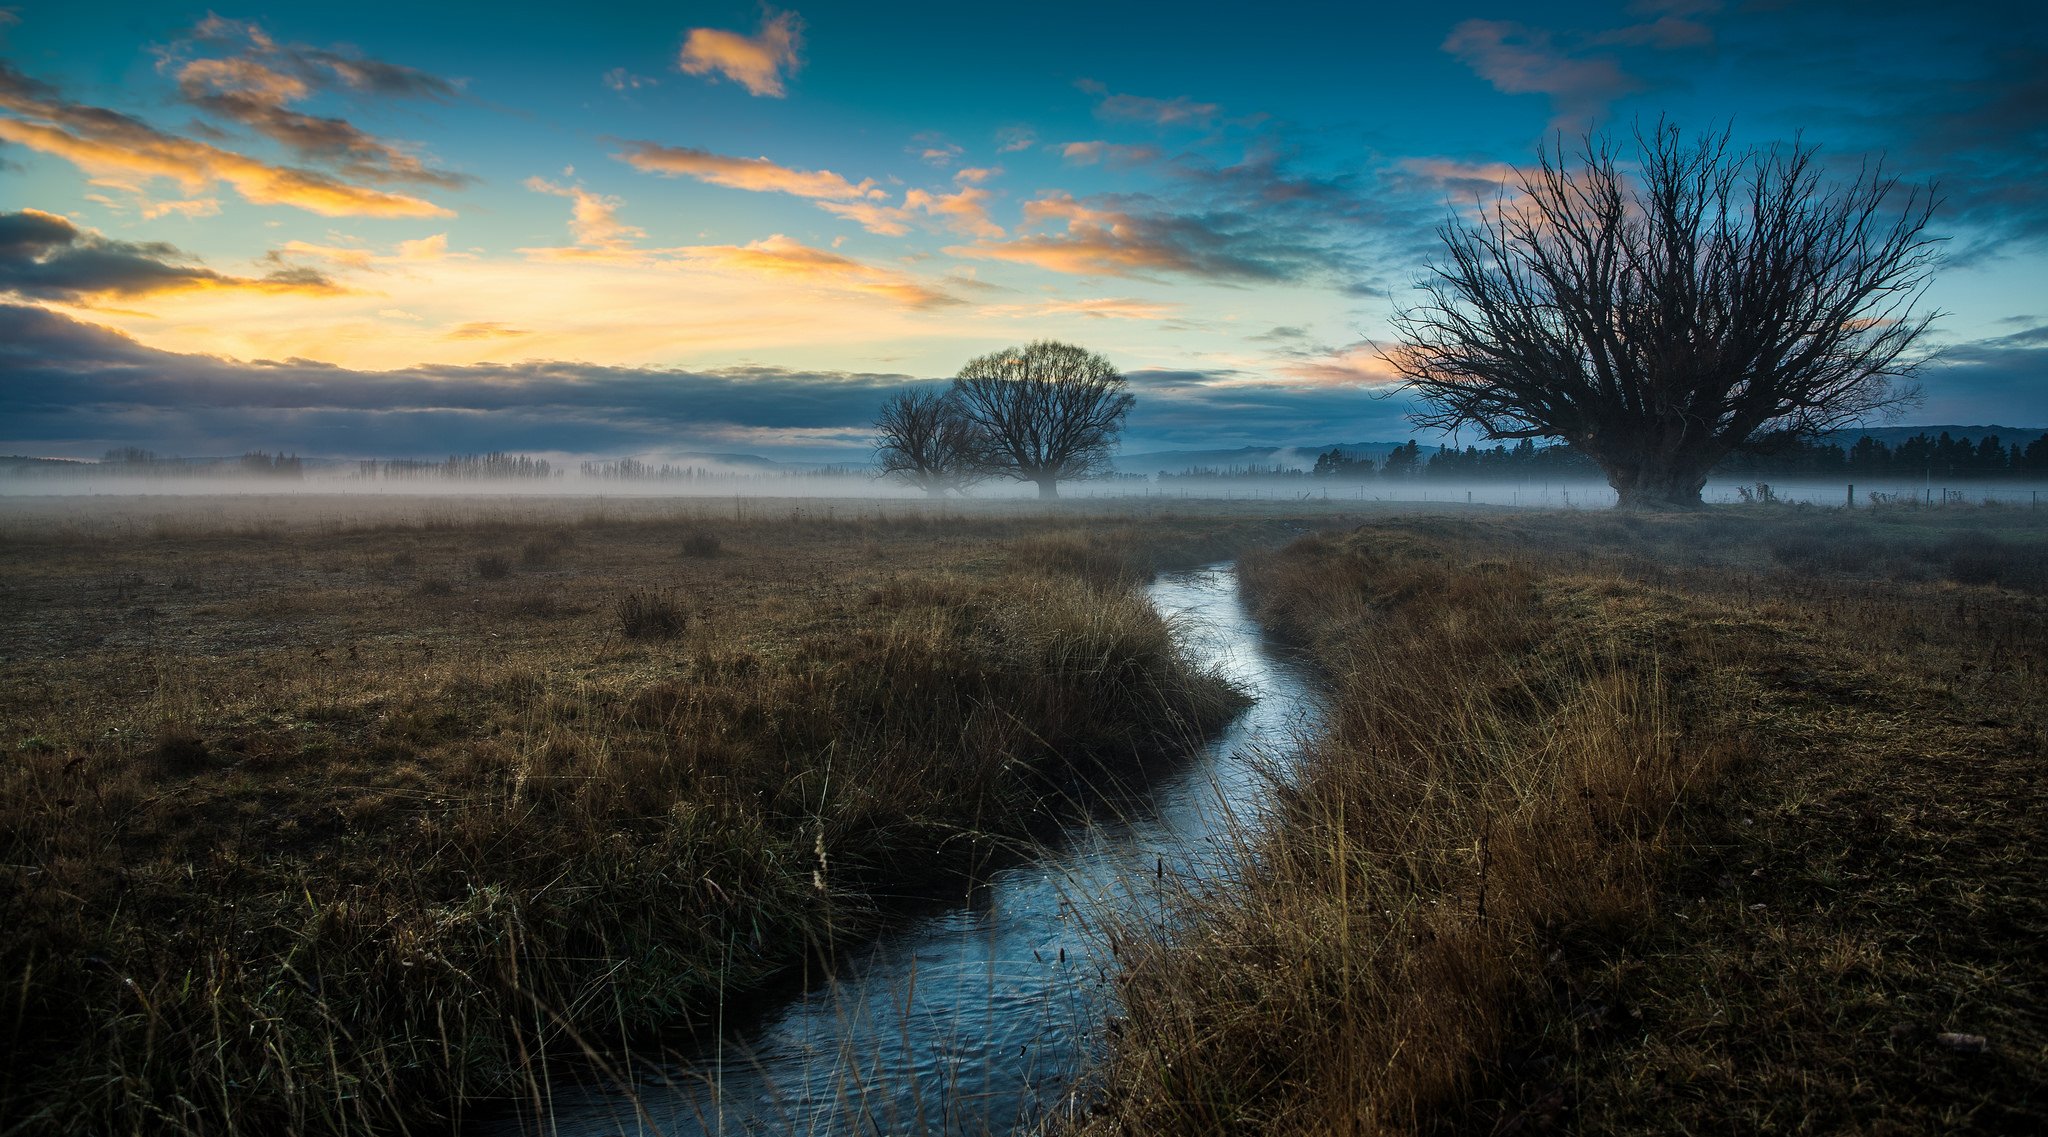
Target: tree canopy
pixel 1662 318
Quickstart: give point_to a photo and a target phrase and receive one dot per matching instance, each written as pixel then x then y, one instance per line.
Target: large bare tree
pixel 1045 412
pixel 924 440
pixel 1659 318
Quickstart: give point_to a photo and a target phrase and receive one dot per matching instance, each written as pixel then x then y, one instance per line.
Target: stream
pixel 984 1017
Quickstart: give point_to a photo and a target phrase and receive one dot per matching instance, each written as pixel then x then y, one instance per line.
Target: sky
pixel 377 229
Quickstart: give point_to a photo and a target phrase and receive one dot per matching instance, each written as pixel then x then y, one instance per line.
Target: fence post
pixel 1850 503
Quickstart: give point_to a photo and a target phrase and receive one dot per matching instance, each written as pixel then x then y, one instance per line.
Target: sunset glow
pixel 728 225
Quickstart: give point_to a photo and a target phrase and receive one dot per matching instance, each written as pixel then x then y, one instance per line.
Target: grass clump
pixel 647 614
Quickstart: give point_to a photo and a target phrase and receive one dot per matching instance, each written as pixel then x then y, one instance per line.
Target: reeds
pixel 357 885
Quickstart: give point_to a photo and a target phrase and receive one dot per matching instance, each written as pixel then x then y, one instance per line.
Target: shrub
pixel 701 544
pixel 491 566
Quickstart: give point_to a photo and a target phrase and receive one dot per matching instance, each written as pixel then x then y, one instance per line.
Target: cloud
pixel 1520 60
pixel 1011 139
pixel 783 258
pixel 757 174
pixel 622 80
pixel 1995 380
pixel 935 150
pixel 46 257
pixel 259 81
pixel 126 152
pixel 1177 111
pixel 975 175
pixel 248 92
pixel 964 211
pixel 1100 308
pixel 65 381
pixel 1355 365
pixel 196 207
pixel 758 62
pixel 1090 153
pixel 1117 236
pixel 324 68
pixel 484 330
pixel 594 218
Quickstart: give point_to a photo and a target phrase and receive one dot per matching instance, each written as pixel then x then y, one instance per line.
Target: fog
pixel 1583 493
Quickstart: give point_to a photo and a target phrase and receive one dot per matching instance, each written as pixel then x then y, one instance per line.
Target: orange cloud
pixel 483 330
pixel 782 258
pixel 965 211
pixel 1358 365
pixel 758 62
pixel 757 174
pixel 593 222
pixel 886 220
pixel 1100 308
pixel 125 152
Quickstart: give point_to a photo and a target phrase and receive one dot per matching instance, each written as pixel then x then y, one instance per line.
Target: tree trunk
pixel 1048 488
pixel 1659 482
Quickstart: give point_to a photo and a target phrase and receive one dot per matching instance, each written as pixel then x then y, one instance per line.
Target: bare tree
pixel 1044 412
pixel 1658 322
pixel 924 440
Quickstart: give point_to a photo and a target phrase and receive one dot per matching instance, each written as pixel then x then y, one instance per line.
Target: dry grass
pixel 310 829
pixel 1619 825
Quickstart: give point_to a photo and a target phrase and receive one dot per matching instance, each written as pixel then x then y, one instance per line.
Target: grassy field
pixel 1718 823
pixel 341 815
pixel 335 816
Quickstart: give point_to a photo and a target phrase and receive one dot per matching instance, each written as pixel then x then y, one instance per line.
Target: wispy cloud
pixel 46 257
pixel 757 174
pixel 1099 308
pixel 594 219
pixel 1116 154
pixel 1011 139
pixel 1521 60
pixel 760 62
pixel 258 84
pixel 783 258
pixel 1126 236
pixel 622 80
pixel 1177 111
pixel 127 153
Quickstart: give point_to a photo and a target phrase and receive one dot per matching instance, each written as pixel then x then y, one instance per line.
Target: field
pixel 330 817
pixel 354 815
pixel 1716 823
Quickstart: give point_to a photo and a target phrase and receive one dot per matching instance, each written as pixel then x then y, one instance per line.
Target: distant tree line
pixel 1867 457
pixel 1988 457
pixel 634 470
pixel 467 467
pixel 256 463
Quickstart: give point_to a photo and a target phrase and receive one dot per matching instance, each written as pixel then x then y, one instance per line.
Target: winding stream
pixel 982 1018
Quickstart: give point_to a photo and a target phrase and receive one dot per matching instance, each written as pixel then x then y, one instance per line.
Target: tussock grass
pixel 646 613
pixel 1617 824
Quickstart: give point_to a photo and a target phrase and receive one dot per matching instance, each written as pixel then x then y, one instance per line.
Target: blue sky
pixel 382 229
